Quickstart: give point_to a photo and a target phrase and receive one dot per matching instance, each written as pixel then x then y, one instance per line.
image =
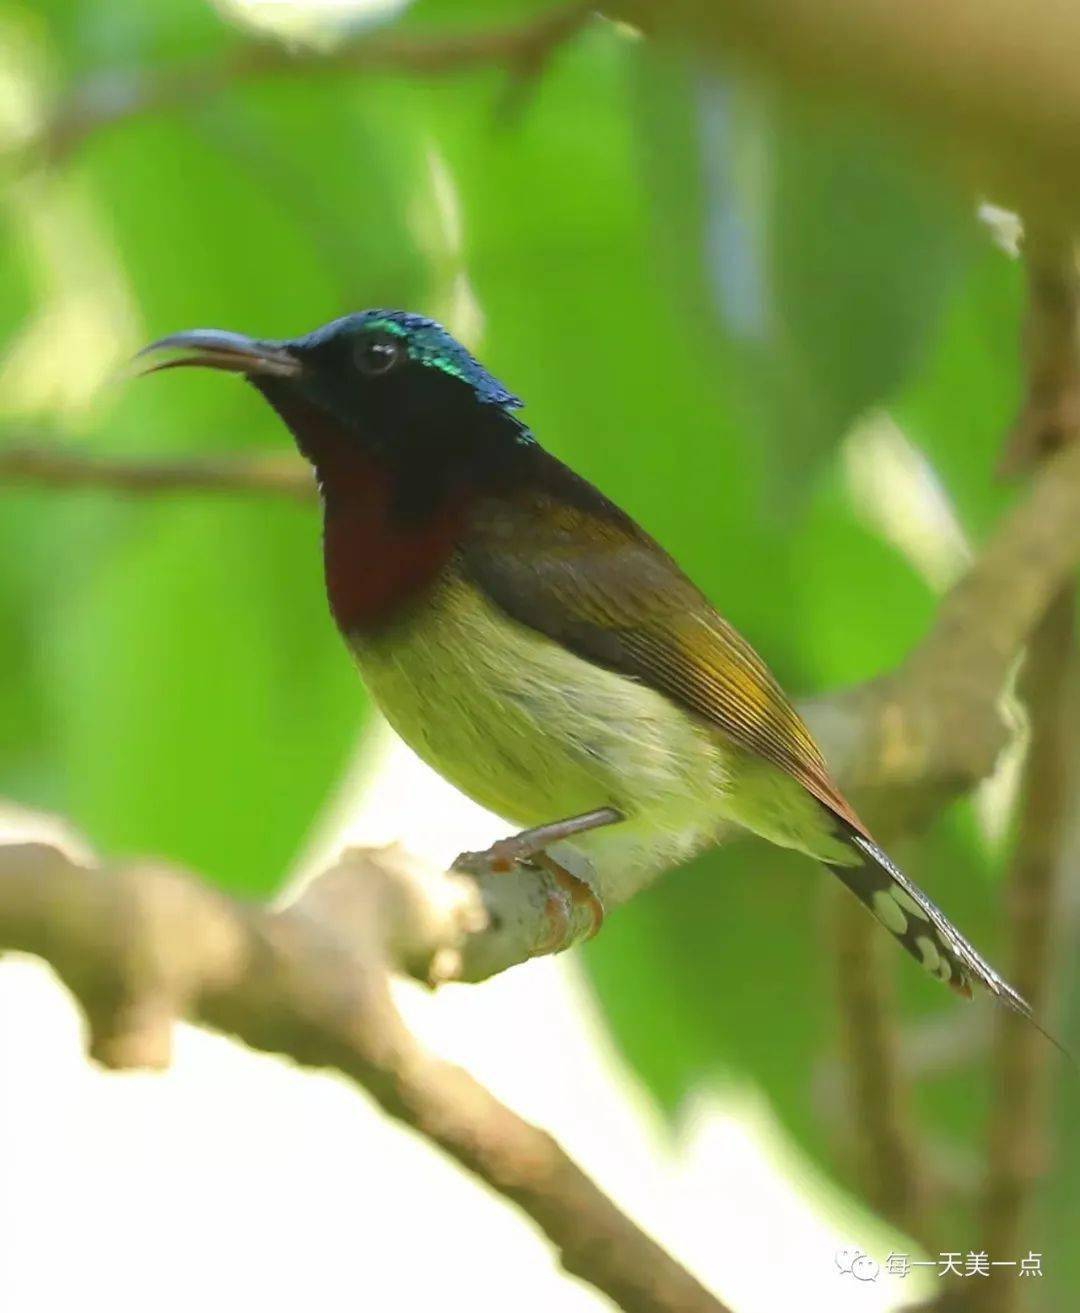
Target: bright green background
pixel 697 285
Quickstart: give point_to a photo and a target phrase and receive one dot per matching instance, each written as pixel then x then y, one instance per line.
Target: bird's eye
pixel 379 355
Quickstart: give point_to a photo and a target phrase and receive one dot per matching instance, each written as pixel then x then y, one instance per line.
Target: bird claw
pixel 574 910
pixel 500 859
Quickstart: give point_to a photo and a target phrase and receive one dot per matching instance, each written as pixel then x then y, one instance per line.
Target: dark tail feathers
pixel 927 934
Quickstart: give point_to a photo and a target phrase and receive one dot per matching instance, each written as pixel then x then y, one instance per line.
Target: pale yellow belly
pixel 535 734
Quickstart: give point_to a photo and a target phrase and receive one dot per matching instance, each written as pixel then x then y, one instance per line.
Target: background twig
pixel 1017 1153
pixel 106 99
pixel 58 467
pixel 877 1114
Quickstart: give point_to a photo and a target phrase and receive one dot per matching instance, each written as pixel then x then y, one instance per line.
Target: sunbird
pixel 538 648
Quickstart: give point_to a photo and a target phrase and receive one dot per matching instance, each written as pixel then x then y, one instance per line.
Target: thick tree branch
pixel 106 99
pixel 992 79
pixel 902 743
pixel 142 946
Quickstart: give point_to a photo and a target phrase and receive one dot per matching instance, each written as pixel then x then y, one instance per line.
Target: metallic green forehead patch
pixel 430 344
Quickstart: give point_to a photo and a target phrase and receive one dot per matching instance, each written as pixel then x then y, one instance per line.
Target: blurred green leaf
pixel 863 249
pixel 825 248
pixel 959 407
pixel 112 37
pixel 205 705
pixel 199 704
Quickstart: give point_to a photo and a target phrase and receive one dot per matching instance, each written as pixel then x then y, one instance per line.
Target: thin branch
pixel 59 467
pixel 107 99
pixel 877 1116
pixel 930 1047
pixel 142 946
pixel 1018 1152
pixel 1050 415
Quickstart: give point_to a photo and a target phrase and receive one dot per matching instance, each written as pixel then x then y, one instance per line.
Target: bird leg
pixel 504 854
pixel 529 847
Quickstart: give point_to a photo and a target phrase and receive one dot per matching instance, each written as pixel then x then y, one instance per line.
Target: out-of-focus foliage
pixel 699 289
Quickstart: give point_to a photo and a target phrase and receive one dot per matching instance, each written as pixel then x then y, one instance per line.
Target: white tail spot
pixel 888 912
pixel 931 959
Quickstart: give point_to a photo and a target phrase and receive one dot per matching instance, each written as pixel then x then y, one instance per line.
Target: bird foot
pixel 573 910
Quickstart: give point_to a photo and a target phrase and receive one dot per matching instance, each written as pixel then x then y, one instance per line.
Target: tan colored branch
pixel 50 466
pixel 1018 1152
pixel 1050 415
pixel 521 48
pixel 142 946
pixel 908 741
pixel 992 83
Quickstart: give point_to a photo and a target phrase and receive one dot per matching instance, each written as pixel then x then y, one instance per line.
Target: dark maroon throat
pixel 390 525
pixel 379 561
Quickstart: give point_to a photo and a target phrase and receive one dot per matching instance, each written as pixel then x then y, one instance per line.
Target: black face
pixel 365 379
pixel 393 385
pixel 378 393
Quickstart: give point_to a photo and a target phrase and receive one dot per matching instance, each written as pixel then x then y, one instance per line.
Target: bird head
pixel 380 382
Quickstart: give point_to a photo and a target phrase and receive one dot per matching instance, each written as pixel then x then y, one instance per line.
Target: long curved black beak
pixel 212 348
